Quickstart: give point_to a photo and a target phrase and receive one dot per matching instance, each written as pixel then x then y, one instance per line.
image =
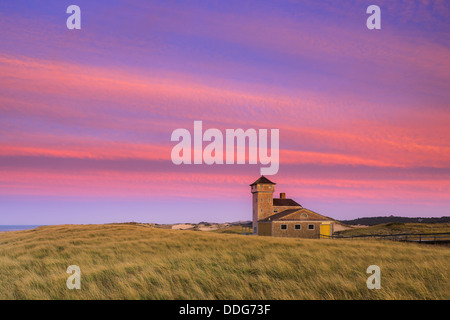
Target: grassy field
pixel 125 261
pixel 232 229
pixel 399 228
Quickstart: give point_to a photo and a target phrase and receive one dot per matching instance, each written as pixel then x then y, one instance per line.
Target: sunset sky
pixel 86 115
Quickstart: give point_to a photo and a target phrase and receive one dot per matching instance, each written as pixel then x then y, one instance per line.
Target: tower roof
pixel 285 203
pixel 262 179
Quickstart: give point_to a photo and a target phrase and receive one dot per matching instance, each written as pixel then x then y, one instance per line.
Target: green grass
pixel 126 261
pixel 399 228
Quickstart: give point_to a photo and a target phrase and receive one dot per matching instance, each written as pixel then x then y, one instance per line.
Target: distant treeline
pixel 371 221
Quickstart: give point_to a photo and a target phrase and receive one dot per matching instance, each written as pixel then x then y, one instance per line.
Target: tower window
pixel 284 227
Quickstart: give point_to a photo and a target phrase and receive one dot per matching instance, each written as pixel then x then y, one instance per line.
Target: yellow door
pixel 325 231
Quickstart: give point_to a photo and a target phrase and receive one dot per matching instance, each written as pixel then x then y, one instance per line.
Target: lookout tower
pixel 262 191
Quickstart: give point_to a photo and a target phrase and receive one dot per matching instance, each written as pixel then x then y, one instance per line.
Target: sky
pixel 86 116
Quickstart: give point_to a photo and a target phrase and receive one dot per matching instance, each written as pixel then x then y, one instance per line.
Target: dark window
pixel 310 227
pixel 298 227
pixel 283 226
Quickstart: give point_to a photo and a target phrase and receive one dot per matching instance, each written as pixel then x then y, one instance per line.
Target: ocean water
pixel 17 227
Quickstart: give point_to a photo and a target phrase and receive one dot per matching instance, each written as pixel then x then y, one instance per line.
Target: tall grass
pixel 141 262
pixel 398 228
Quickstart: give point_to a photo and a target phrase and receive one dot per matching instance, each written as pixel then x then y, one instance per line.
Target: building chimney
pixel 282 195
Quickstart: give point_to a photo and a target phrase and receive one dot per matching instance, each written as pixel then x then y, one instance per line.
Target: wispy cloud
pixel 362 116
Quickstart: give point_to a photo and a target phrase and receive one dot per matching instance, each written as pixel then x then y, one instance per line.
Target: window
pixel 298 227
pixel 261 210
pixel 268 200
pixel 304 215
pixel 284 227
pixel 310 227
pixel 275 210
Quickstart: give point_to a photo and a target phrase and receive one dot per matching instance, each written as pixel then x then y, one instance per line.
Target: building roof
pixel 279 215
pixel 262 179
pixel 285 203
pixel 296 215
